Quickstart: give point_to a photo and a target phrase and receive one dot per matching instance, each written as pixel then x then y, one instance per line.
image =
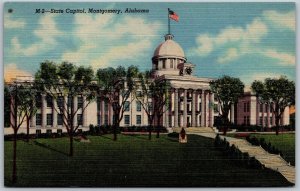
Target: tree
pixel 227 90
pixel 21 98
pixel 63 82
pixel 116 87
pixel 7 100
pixel 279 93
pixel 161 100
pixel 30 109
pixel 144 96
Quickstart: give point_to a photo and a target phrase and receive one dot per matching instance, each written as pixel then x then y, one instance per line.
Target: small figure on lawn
pixel 182 136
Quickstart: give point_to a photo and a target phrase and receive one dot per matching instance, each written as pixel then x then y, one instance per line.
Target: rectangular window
pixel 266 121
pixel 49 119
pixel 69 101
pixel 127 106
pixel 79 119
pixel 138 106
pixel 49 101
pixel 248 106
pixel 245 107
pixel 170 120
pixel 106 106
pixel 38 120
pixel 248 120
pixel 260 121
pixel 106 119
pixel 271 120
pixel 60 119
pixel 60 101
pixel 164 63
pixel 138 119
pixel 98 119
pixel 80 102
pixel 98 104
pixel 216 109
pixel 38 101
pixel 171 65
pixel 127 119
pixel 38 132
pixel 261 107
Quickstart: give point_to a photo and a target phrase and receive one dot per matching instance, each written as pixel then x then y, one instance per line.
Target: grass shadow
pixel 49 148
pixel 105 137
pixel 143 137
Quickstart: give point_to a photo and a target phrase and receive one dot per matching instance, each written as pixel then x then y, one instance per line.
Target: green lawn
pixel 284 142
pixel 131 161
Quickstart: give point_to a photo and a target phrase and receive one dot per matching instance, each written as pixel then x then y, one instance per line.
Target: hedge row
pixel 261 142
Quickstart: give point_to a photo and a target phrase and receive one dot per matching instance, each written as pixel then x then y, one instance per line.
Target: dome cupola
pixel 167 56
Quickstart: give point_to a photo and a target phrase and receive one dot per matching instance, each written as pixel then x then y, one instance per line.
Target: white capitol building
pixel 192 103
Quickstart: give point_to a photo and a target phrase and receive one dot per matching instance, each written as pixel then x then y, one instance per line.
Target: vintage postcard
pixel 149 94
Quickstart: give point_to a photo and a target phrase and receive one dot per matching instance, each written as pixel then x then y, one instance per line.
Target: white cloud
pixel 261 76
pixel 120 53
pixel 286 20
pixel 106 40
pixel 236 39
pixel 11 71
pixel 230 55
pixel 283 58
pixel 47 33
pixel 10 23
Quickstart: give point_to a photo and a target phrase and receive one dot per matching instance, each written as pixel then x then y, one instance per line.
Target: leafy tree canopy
pixel 227 89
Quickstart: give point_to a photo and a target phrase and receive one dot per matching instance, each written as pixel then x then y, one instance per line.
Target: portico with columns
pixel 192 103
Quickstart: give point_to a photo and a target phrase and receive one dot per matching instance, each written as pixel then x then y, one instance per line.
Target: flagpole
pixel 169 21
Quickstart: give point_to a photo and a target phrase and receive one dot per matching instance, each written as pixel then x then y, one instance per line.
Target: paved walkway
pixel 272 161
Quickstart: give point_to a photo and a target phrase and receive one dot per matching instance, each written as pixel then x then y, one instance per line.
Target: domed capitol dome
pixel 167 57
pixel 169 48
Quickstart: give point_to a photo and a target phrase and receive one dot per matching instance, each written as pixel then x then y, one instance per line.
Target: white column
pixel 211 110
pixel 176 109
pixel 263 115
pixel 167 118
pixel 111 113
pixel 206 109
pixel 202 109
pixel 54 112
pixel 33 118
pixel 102 102
pixel 232 113
pixel 194 108
pixel 84 113
pixel 184 108
pixel 75 102
pixel 257 111
pixel 44 110
pixel 268 116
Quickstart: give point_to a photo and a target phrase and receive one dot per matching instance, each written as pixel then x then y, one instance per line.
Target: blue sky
pixel 246 40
